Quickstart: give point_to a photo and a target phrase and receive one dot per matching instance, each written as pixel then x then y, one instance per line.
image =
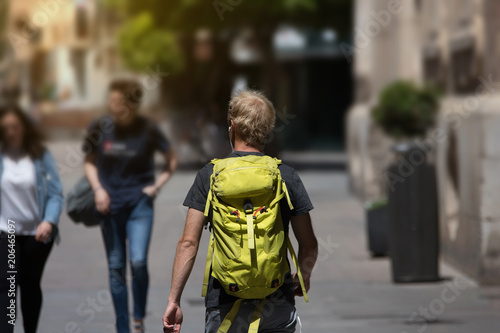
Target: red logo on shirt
pixel 107 146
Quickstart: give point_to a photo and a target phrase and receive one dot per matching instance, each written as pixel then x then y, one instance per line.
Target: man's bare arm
pixel 185 256
pixel 187 249
pixel 308 247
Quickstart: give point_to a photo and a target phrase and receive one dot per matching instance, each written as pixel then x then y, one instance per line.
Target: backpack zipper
pixel 241 168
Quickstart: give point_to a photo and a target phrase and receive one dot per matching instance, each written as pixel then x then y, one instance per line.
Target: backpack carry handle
pixel 247 205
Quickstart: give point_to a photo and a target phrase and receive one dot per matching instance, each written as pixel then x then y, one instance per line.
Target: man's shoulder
pixel 206 171
pixel 287 172
pixel 286 168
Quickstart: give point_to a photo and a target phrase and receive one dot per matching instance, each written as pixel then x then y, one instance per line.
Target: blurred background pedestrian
pixel 120 168
pixel 31 202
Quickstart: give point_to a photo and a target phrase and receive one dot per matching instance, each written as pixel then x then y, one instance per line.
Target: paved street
pixel 350 292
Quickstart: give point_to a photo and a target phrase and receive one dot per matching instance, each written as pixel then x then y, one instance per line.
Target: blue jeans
pixel 135 225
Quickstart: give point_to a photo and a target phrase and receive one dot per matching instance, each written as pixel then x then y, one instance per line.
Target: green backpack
pixel 248 245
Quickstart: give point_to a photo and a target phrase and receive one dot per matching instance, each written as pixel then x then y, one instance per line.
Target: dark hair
pixel 32 139
pixel 131 90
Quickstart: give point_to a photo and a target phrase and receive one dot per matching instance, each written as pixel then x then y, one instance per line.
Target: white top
pixel 18 196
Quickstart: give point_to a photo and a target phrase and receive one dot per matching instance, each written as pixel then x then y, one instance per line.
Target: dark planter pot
pixel 412 216
pixel 376 227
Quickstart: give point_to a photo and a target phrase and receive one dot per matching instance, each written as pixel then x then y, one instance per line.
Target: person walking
pixel 249 200
pixel 119 166
pixel 31 202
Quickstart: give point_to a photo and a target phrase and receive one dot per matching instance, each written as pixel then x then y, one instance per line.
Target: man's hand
pixel 297 288
pixel 102 202
pixel 44 231
pixel 172 319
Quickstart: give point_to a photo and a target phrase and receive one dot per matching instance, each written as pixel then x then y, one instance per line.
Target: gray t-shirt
pixel 197 198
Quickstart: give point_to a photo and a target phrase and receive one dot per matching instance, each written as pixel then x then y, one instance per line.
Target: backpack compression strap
pixel 254 325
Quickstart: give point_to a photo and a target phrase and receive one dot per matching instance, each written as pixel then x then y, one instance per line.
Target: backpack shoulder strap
pixel 210 196
pixel 208 264
pixel 284 191
pixel 210 251
pixel 297 267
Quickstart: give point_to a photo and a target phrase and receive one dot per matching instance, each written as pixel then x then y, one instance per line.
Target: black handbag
pixel 80 204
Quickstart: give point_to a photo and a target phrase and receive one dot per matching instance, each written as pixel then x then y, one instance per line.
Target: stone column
pixel 387 43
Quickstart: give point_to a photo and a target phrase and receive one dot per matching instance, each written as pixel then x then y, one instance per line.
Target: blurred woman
pixel 119 166
pixel 30 205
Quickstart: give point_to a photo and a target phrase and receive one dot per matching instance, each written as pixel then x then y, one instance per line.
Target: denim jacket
pixel 48 189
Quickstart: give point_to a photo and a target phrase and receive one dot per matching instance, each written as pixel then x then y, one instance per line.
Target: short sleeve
pixel 160 141
pixel 298 195
pixel 198 193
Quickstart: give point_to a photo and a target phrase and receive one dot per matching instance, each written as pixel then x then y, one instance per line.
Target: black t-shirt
pixel 125 157
pixel 197 199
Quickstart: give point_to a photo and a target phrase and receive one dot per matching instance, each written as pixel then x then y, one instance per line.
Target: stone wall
pixel 468 165
pixel 455 44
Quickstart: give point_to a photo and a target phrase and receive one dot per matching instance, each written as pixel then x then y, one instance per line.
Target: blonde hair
pixel 253 115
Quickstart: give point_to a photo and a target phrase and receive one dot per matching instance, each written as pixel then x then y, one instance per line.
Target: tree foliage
pixel 143 45
pixel 186 16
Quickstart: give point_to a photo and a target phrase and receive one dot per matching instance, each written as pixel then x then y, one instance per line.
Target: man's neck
pixel 242 146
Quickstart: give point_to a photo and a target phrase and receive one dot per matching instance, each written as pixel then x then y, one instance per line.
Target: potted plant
pixel 406 112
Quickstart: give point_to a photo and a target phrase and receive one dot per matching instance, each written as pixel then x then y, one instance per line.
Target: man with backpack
pixel 248 200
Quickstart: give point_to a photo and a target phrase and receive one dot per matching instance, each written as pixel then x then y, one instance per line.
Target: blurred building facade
pixel 62 54
pixel 454 44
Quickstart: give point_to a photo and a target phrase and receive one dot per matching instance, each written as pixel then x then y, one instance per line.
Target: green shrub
pixel 405 110
pixel 375 204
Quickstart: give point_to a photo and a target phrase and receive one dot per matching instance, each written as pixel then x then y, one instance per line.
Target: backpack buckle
pixel 248 207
